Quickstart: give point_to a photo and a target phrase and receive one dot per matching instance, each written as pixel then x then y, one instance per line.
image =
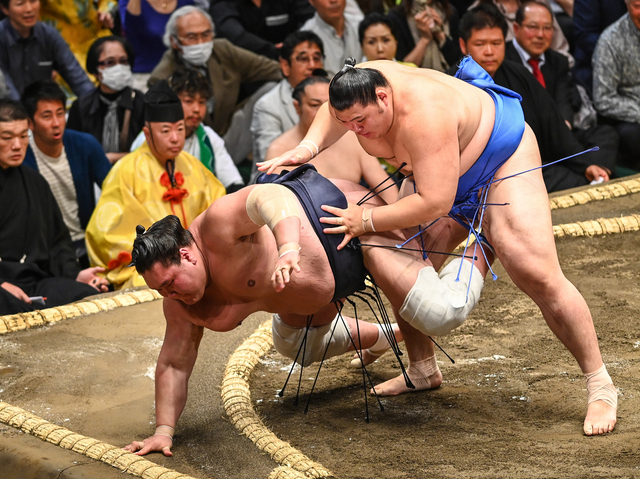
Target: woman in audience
pixel 143 22
pixel 114 112
pixel 378 38
pixel 427 33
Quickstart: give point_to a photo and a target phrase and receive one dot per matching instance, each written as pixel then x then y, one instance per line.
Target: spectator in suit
pixel 482 35
pixel 232 71
pixel 533 30
pixel 260 29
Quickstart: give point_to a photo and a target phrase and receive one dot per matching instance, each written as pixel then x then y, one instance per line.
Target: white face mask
pixel 197 54
pixel 117 77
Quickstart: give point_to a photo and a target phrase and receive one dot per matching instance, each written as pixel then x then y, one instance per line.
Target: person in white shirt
pixel 338 31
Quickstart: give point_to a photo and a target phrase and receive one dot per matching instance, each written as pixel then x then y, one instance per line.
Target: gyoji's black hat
pixel 162 104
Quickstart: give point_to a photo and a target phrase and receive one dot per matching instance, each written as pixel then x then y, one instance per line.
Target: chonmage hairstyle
pixel 481 17
pixel 352 86
pixel 159 244
pixel 11 110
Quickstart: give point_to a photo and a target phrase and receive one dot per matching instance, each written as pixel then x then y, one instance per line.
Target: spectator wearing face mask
pixel 113 112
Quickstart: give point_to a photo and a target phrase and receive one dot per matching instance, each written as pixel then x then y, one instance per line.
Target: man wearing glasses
pixel 301 53
pixel 189 36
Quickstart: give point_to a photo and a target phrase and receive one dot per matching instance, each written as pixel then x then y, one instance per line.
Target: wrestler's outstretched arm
pixel 175 364
pixel 323 132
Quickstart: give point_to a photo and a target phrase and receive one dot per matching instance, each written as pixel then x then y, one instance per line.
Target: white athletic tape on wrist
pixel 269 204
pixel 437 304
pixel 600 388
pixel 164 431
pixel 313 143
pixel 310 150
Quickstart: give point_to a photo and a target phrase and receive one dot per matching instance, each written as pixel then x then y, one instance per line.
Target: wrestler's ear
pixel 296 105
pixel 383 96
pixel 187 255
pixel 463 46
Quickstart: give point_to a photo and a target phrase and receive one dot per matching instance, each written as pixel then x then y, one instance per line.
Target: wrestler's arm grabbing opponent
pixel 463 118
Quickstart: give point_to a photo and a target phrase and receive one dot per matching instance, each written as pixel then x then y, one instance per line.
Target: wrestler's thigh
pixel 521 231
pixel 320 318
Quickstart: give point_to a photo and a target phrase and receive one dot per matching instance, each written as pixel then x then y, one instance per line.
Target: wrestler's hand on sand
pixel 298 156
pixel 349 222
pixel 150 444
pixel 285 265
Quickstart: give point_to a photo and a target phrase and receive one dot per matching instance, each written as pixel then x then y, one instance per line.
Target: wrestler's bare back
pixel 239 268
pixel 425 102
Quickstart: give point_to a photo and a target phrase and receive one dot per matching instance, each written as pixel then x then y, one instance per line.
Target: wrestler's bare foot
pixel 601 419
pixel 367 358
pixel 423 374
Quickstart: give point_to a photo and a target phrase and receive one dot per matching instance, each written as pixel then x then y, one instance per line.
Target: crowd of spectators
pixel 172 102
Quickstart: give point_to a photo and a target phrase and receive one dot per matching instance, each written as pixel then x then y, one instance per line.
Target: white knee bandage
pixel 437 304
pixel 288 339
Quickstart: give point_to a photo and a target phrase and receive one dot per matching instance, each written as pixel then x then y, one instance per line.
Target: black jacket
pixel 87 114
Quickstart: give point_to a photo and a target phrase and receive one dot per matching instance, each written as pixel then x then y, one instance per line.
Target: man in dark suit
pixel 533 29
pixel 482 35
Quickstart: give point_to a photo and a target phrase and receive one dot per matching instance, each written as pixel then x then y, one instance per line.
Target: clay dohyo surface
pixel 513 403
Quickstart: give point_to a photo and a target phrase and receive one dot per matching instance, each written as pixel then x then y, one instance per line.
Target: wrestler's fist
pixel 298 156
pixel 154 443
pixel 286 264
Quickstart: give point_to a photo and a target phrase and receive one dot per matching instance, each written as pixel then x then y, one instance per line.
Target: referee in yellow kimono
pixel 156 180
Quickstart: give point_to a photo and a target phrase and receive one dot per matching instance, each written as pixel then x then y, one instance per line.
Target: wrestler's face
pixel 370 121
pixel 48 122
pixel 195 108
pixel 378 43
pixel 535 33
pixel 183 282
pixel 165 140
pixel 310 102
pixel 14 139
pixel 486 47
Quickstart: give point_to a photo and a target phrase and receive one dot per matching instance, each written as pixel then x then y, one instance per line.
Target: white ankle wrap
pixel 600 388
pixel 437 304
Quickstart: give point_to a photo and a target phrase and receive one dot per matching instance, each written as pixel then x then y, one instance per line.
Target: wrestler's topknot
pixel 160 243
pixel 351 86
